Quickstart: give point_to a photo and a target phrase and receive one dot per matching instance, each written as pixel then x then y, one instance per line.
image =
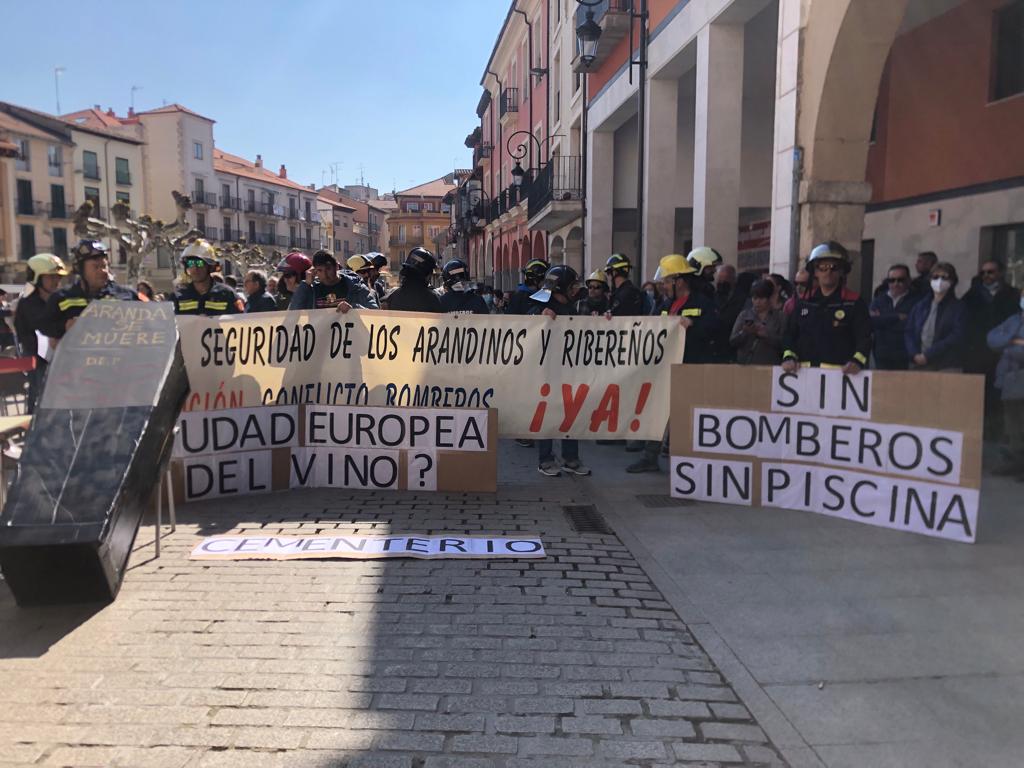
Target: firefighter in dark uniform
pixel 697 313
pixel 325 287
pixel 626 300
pixel 376 281
pixel 92 265
pixel 414 293
pixel 596 300
pixel 460 296
pixel 831 327
pixel 519 302
pixel 201 294
pixel 46 271
pixel 293 268
pixel 705 261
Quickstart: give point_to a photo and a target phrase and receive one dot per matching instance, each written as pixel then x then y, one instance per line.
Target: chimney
pixel 98 108
pixel 110 112
pixel 131 111
pixel 259 161
pixel 283 173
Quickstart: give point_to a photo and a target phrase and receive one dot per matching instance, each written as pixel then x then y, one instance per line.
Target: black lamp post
pixel 525 141
pixel 588 34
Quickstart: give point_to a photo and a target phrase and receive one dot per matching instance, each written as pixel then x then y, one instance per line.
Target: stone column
pixel 660 182
pixel 600 194
pixel 717 145
pixel 787 156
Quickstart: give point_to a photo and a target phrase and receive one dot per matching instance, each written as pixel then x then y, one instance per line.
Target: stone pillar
pixel 787 157
pixel 660 174
pixel 600 194
pixel 832 210
pixel 717 145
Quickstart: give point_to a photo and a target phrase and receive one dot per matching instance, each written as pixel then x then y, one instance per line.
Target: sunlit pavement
pixel 697 634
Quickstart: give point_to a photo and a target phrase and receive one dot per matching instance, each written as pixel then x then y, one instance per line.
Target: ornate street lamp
pixel 588 34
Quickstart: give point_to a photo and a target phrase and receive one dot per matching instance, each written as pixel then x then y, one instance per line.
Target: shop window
pixel 1008 51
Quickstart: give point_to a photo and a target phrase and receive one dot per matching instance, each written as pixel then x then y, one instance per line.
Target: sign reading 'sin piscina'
pixel 868 448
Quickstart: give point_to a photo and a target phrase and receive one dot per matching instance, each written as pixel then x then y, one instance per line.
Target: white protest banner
pixel 449 546
pixel 582 377
pixel 870 449
pixel 272 448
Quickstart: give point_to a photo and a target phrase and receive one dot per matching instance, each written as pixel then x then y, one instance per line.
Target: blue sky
pixel 391 85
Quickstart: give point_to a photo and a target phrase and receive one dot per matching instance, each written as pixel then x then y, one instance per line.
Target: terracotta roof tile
pixel 9 122
pixel 174 108
pixel 225 162
pixel 436 188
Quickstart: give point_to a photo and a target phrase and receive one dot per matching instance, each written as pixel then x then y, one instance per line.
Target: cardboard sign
pixel 581 377
pixel 895 449
pixel 443 546
pixel 259 450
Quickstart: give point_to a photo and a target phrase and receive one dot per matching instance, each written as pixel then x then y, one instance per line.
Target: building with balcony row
pixel 418 219
pixel 767 126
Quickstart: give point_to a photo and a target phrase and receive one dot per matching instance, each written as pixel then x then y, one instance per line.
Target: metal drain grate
pixel 652 501
pixel 584 518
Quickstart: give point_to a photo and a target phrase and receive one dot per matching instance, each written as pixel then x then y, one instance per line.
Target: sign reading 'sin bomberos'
pixel 582 377
pixel 894 449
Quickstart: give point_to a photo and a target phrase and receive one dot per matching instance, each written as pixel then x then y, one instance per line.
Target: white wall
pixel 901 233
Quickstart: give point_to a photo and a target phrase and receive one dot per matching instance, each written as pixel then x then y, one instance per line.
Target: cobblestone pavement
pixel 575 660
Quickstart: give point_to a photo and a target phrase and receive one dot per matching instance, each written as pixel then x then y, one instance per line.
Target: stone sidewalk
pixel 575 660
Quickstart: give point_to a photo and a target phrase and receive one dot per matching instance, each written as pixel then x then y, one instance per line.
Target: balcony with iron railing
pixel 614 17
pixel 509 101
pixel 229 203
pixel 210 233
pixel 28 207
pixel 60 211
pixel 555 196
pixel 205 199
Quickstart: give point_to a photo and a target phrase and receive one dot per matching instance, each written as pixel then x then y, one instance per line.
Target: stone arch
pixel 837 106
pixel 538 246
pixel 557 253
pixel 527 250
pixel 573 255
pixel 514 265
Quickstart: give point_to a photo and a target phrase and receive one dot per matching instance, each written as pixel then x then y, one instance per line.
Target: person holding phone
pixel 758 331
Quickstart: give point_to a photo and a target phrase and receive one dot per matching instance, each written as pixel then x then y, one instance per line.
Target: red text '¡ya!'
pixel 604 418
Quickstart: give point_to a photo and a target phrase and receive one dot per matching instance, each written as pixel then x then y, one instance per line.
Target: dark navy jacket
pixel 947 349
pixel 890 325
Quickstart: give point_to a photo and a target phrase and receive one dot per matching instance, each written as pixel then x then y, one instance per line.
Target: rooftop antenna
pixel 362 180
pixel 134 89
pixel 334 170
pixel 57 72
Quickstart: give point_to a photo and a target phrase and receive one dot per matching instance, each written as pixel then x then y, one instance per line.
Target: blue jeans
pixel 570 450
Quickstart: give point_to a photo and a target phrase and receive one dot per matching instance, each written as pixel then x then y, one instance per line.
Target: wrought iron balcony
pixel 28 207
pixel 58 211
pixel 615 19
pixel 555 197
pixel 205 199
pixel 509 101
pixel 230 203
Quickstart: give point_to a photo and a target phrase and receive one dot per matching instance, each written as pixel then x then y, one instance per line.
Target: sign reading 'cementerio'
pixel 580 377
pixel 867 448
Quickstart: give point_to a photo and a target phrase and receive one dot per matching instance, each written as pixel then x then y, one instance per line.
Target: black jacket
pixel 889 324
pixel 729 308
pixel 586 307
pixel 219 300
pixel 626 301
pixel 554 305
pixel 829 330
pixel 985 311
pixel 68 303
pixel 414 296
pixel 322 296
pixel 519 301
pixel 947 349
pixel 465 302
pixel 700 308
pixel 260 302
pixel 28 318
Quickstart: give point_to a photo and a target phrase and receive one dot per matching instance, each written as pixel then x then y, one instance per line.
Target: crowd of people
pixel 912 322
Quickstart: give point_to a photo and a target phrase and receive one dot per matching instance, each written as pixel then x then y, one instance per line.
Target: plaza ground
pixel 695 634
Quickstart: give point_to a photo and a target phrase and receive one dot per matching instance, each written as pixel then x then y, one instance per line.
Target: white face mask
pixel 940 286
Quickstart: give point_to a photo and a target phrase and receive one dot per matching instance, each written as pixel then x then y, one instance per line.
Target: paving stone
pixel 632 750
pixel 732 732
pixel 717 753
pixel 524 724
pixel 608 707
pixel 543 745
pixel 507 745
pixel 591 724
pixel 680 729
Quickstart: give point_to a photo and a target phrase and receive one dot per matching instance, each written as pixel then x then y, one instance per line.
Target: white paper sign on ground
pixel 444 546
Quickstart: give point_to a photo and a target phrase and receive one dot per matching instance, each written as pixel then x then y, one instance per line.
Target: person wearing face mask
pixel 1007 340
pixel 937 326
pixel 889 314
pixel 460 296
pixel 830 327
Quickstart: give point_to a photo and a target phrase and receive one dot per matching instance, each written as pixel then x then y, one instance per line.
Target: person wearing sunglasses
pixel 937 326
pixel 293 269
pixel 830 327
pixel 200 294
pixel 889 313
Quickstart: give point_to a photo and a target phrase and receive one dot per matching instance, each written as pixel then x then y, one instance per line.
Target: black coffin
pixel 93 455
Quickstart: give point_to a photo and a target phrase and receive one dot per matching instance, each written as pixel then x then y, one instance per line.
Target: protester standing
pixel 937 326
pixel 414 293
pixel 201 294
pixel 552 301
pixel 460 296
pixel 626 300
pixel 889 313
pixel 257 298
pixel 46 271
pixel 758 331
pixel 518 302
pixel 926 260
pixel 596 300
pixel 1007 339
pixel 729 302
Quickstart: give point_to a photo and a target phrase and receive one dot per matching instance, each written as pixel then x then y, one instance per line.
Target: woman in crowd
pixel 757 333
pixel 937 326
pixel 1007 338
